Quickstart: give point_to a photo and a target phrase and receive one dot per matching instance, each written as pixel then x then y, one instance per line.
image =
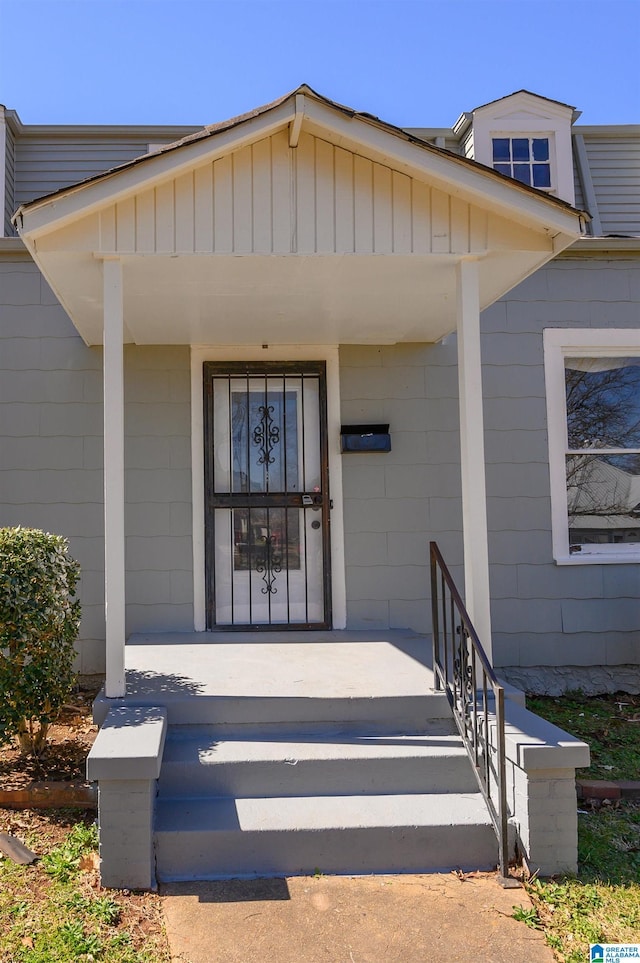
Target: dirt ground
pixel 69 740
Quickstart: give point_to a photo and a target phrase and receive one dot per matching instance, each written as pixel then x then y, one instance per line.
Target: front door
pixel 266 495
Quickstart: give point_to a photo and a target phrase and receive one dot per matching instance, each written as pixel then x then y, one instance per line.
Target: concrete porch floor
pixel 335 664
pixel 315 677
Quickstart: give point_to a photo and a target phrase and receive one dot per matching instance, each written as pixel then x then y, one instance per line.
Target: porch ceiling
pixel 333 299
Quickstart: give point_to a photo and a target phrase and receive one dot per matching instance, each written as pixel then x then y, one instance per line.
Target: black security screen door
pixel 266 495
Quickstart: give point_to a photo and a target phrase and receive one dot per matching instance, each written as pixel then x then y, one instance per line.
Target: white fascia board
pixel 430 133
pixel 538 105
pixel 462 124
pixel 608 130
pixel 83 199
pixel 12 247
pixel 604 245
pixel 454 174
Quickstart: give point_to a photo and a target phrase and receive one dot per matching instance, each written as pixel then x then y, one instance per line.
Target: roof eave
pixel 362 132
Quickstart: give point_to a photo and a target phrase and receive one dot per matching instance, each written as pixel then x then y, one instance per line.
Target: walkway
pixel 375 919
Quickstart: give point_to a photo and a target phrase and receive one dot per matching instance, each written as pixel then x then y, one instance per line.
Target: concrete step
pixel 223 837
pixel 198 763
pixel 291 714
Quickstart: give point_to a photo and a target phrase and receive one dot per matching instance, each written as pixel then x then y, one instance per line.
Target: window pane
pixel 603 499
pixel 541 148
pixel 264 437
pixel 603 402
pixel 501 149
pixel 520 148
pixel 541 175
pixel 503 169
pixel 522 173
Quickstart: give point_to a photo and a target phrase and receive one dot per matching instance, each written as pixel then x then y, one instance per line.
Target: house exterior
pixel 251 370
pixel 551 605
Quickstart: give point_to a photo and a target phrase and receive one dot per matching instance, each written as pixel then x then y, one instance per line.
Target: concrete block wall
pixel 125 761
pixel 541 761
pixel 51 457
pixel 126 811
pixel 546 818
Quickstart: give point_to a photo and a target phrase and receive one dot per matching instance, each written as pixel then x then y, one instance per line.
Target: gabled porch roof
pixel 300 222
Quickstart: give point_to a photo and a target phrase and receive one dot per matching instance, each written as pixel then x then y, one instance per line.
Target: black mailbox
pixel 365 438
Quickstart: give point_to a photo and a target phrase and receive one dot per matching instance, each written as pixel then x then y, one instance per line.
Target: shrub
pixel 39 621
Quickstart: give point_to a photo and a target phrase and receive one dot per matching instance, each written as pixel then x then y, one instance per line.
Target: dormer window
pixel 526 159
pixel 525 137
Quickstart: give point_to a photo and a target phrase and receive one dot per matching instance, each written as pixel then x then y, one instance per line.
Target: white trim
pixel 296 124
pixel 291 352
pixel 588 190
pixel 472 459
pixel 114 528
pixel 558 343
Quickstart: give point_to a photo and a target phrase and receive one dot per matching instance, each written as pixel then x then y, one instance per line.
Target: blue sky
pixel 411 62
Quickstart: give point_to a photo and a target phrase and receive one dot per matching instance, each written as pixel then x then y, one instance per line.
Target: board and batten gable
pixel 268 198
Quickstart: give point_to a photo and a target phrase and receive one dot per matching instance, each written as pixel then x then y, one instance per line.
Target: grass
pixel 54 911
pixel 601 904
pixel 609 723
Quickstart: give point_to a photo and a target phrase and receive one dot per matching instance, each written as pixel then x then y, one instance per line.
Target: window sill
pixel 599 559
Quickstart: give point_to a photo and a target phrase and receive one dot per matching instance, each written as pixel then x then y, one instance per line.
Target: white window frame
pixel 531 135
pixel 560 343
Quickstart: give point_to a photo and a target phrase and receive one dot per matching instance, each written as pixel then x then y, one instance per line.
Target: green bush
pixel 39 621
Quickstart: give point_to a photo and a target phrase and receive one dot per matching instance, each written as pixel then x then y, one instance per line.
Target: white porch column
pixel 474 497
pixel 114 478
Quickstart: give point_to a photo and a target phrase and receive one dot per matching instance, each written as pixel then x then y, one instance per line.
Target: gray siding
pixel 51 457
pixel 159 586
pixel 48 163
pixel 51 469
pixel 543 614
pixel 9 179
pixel 395 503
pixel 51 416
pixel 614 162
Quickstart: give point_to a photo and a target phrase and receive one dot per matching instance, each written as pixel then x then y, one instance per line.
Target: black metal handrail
pixel 462 669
